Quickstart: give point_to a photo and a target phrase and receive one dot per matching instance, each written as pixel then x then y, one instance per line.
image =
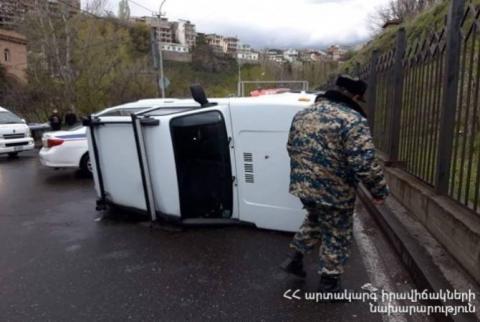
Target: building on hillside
pixel 290 55
pixel 319 55
pixel 175 47
pixel 313 55
pixel 165 30
pixel 336 52
pixel 245 54
pixel 13 54
pixel 162 26
pixel 230 46
pixel 185 33
pixel 176 52
pixel 248 57
pixel 274 55
pixel 12 12
pixel 216 42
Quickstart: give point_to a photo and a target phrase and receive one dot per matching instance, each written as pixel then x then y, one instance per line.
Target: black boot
pixel 294 264
pixel 330 284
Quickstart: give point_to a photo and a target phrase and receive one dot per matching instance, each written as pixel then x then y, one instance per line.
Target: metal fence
pixel 423 104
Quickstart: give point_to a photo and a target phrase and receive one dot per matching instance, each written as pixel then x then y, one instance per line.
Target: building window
pixel 6 55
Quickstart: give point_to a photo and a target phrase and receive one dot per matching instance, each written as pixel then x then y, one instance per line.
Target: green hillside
pixel 430 20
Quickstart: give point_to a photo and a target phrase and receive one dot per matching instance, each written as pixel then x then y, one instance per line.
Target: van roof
pixel 282 99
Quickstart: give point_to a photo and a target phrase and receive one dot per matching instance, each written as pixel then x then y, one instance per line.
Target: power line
pixel 142 6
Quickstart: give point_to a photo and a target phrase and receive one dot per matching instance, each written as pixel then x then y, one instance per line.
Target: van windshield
pixel 9 118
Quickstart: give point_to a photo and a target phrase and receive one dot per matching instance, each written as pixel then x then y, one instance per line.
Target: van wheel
pixel 12 154
pixel 86 165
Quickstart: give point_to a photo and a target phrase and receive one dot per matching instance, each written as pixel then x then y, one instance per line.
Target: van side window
pixel 202 157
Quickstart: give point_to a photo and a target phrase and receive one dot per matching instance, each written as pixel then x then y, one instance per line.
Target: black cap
pixel 354 86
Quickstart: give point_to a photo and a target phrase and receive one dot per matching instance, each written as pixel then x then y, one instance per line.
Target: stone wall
pixel 455 227
pixel 17 47
pixel 180 57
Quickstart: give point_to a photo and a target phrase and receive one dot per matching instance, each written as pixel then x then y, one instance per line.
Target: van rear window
pixel 123 111
pixel 168 111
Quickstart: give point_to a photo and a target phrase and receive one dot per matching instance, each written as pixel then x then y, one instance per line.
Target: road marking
pixel 373 263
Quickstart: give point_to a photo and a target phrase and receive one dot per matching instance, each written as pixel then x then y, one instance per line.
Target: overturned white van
pixel 195 161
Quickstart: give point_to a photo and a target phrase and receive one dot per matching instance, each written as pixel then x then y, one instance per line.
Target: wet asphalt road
pixel 58 264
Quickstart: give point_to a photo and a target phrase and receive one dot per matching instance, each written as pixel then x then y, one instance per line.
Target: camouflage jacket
pixel 331 150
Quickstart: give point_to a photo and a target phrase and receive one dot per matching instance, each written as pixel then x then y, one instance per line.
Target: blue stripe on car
pixel 72 136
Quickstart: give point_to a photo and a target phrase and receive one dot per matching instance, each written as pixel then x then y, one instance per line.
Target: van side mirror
pixel 200 97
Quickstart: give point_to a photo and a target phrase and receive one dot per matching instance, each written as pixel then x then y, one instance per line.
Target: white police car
pixel 69 149
pixel 66 149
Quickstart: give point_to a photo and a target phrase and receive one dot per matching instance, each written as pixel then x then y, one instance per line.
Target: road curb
pixel 418 262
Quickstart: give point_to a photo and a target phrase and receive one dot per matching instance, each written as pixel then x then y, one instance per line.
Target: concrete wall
pixel 455 227
pixel 180 57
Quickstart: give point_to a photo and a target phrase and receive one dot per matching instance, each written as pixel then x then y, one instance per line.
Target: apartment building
pixel 230 46
pixel 290 55
pixel 308 55
pixel 216 42
pixel 246 54
pixel 174 47
pixel 162 26
pixel 185 33
pixel 274 55
pixel 336 52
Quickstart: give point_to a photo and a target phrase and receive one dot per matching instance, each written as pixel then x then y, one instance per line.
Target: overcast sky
pixel 271 23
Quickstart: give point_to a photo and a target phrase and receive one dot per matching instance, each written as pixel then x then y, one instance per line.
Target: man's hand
pixel 378 202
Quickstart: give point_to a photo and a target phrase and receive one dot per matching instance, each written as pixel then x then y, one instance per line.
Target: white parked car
pixel 15 135
pixel 66 149
pixel 69 149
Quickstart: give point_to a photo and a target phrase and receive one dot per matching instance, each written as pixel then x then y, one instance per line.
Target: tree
pixel 83 61
pixel 123 10
pixel 398 10
pixel 96 7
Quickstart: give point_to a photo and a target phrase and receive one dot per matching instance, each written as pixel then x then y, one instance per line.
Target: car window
pixel 9 118
pixel 76 127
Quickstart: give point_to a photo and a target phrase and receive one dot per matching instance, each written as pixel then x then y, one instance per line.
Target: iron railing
pixel 423 104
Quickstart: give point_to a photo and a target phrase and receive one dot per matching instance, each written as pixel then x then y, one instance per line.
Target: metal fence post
pixel 372 89
pixel 357 69
pixel 450 93
pixel 396 108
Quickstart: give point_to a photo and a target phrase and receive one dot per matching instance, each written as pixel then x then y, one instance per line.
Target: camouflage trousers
pixel 332 228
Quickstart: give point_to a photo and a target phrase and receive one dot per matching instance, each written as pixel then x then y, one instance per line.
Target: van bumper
pixel 12 146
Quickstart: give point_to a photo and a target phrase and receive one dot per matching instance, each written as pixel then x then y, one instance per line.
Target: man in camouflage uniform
pixel 331 150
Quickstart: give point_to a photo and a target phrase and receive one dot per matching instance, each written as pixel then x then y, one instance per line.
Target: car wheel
pixel 12 154
pixel 86 165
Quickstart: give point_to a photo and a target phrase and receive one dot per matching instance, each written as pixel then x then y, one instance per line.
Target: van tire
pixel 85 165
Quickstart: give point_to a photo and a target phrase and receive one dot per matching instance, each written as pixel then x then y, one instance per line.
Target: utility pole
pixel 239 90
pixel 162 77
pixel 155 57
